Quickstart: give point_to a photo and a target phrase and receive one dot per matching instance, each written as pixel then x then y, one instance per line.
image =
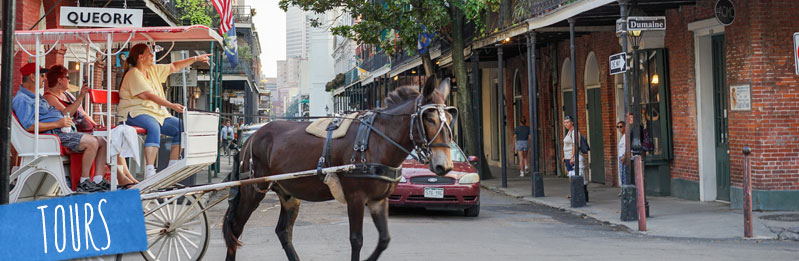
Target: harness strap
pixel 362 139
pixel 324 160
pixel 375 171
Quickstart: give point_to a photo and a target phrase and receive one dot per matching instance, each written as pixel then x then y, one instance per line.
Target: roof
pixel 193 33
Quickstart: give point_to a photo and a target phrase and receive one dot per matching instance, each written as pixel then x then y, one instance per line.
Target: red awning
pixel 193 33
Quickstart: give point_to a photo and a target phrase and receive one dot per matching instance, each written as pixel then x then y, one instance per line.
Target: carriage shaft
pixel 225 185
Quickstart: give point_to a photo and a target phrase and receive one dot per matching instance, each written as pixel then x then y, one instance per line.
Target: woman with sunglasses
pixel 621 149
pixel 57 95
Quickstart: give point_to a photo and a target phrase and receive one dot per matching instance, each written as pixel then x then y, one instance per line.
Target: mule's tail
pixel 231 240
pixel 231 216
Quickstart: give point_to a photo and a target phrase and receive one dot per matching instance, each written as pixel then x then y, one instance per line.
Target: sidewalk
pixel 669 216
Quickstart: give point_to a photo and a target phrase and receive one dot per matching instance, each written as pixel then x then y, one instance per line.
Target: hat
pixel 30 68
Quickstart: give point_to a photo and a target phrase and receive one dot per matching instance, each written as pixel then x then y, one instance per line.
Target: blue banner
pixel 232 46
pixel 70 227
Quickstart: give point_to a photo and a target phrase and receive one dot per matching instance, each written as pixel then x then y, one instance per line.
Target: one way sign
pixel 618 63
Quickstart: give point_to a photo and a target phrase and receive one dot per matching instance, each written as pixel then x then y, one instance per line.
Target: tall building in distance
pixel 297 32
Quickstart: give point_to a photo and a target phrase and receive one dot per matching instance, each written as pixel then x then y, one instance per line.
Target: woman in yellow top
pixel 143 102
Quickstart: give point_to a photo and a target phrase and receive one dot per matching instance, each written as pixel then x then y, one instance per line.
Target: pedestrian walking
pixel 227 137
pixel 521 134
pixel 569 153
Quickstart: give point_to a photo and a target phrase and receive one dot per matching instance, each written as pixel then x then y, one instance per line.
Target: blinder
pixel 424 145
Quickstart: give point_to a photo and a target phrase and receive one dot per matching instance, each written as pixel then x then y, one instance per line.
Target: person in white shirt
pixel 226 137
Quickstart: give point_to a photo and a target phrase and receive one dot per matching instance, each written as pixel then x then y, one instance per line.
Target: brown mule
pixel 411 119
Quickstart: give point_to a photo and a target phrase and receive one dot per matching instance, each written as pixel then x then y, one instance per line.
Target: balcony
pixel 376 62
pixel 242 14
pixel 519 10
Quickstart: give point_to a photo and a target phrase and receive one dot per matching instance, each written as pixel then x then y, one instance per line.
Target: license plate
pixel 434 192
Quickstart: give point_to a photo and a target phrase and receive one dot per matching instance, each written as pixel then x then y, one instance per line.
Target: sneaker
pixel 88 186
pixel 105 185
pixel 521 173
pixel 149 173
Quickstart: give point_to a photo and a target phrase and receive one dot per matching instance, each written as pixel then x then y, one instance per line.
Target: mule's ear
pixel 444 86
pixel 429 86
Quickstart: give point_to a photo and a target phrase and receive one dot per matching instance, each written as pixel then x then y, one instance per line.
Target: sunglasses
pixel 619 127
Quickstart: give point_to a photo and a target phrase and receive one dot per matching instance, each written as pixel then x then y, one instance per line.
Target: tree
pixel 395 25
pixel 196 12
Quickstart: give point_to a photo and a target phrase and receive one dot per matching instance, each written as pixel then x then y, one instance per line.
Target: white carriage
pixel 176 224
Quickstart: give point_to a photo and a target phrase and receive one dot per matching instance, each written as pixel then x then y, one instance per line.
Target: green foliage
pixel 395 25
pixel 196 12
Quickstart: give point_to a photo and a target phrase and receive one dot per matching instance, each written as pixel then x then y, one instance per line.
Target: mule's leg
pixel 289 208
pixel 379 211
pixel 239 210
pixel 355 212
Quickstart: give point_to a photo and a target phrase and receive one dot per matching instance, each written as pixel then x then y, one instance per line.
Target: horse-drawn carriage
pixel 275 158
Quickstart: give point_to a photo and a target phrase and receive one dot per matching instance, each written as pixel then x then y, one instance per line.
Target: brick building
pixel 707 91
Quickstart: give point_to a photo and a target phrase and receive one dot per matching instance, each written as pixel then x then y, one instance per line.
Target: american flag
pixel 225 9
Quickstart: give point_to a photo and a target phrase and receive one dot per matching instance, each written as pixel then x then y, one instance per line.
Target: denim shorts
pixel 521 145
pixel 172 127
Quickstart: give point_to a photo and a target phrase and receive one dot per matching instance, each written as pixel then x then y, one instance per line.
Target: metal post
pixel 37 100
pixel 477 101
pixel 628 206
pixel 9 13
pixel 536 180
pixel 747 193
pixel 212 64
pixel 108 158
pixel 577 181
pixel 636 148
pixel 501 96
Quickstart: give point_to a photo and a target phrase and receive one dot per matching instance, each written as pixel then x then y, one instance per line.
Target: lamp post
pixel 636 148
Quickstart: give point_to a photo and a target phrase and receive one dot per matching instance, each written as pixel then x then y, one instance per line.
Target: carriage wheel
pixel 176 231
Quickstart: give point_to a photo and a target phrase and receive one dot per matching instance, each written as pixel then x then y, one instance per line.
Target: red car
pixel 458 189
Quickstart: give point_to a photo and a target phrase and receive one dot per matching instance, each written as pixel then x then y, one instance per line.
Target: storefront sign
pixel 740 98
pixel 618 63
pixel 63 228
pixel 725 12
pixel 100 17
pixel 796 52
pixel 645 23
pixel 176 79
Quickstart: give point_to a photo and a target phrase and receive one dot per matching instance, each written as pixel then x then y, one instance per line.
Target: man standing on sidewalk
pixel 227 137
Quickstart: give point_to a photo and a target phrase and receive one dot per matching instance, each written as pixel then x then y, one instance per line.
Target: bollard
pixel 538 184
pixel 639 186
pixel 577 192
pixel 747 193
pixel 628 207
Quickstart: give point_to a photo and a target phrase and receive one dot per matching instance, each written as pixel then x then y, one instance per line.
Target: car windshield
pixel 455 153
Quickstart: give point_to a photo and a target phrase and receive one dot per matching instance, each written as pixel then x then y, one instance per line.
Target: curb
pixel 612 222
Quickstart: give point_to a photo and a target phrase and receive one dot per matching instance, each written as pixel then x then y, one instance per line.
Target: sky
pixel 270 21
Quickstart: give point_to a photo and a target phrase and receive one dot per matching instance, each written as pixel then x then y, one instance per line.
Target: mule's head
pixel 436 119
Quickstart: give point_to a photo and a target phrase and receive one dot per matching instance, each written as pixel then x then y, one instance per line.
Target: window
pixel 654 86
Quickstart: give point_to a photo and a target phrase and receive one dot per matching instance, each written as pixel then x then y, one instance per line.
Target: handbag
pixel 584 148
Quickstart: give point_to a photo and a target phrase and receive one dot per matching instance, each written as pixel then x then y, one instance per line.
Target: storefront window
pixel 653 82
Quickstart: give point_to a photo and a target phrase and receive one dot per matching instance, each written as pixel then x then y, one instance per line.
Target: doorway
pixel 720 99
pixel 593 106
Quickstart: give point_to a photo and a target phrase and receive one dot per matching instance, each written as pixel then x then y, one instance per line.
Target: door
pixel 568 105
pixel 720 116
pixel 595 140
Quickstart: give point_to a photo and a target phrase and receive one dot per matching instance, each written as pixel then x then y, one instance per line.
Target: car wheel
pixel 472 211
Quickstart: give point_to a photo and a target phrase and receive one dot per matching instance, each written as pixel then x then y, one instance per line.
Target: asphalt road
pixel 507 229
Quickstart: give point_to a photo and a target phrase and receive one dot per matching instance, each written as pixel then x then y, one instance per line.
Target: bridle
pixel 422 145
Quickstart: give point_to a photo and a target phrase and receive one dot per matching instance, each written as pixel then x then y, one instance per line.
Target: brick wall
pixel 759 52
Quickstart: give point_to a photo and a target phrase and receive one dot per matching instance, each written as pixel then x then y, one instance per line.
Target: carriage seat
pixel 98 96
pixel 49 145
pixel 318 127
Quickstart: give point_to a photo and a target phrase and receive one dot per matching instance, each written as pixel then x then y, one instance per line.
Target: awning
pixel 193 33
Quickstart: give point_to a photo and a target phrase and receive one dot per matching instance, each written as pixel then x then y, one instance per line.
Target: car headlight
pixel 402 179
pixel 470 178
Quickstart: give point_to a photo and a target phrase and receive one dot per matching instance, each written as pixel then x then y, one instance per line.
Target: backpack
pixel 584 145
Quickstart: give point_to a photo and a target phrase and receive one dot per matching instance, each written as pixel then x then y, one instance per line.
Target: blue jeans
pixel 171 127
